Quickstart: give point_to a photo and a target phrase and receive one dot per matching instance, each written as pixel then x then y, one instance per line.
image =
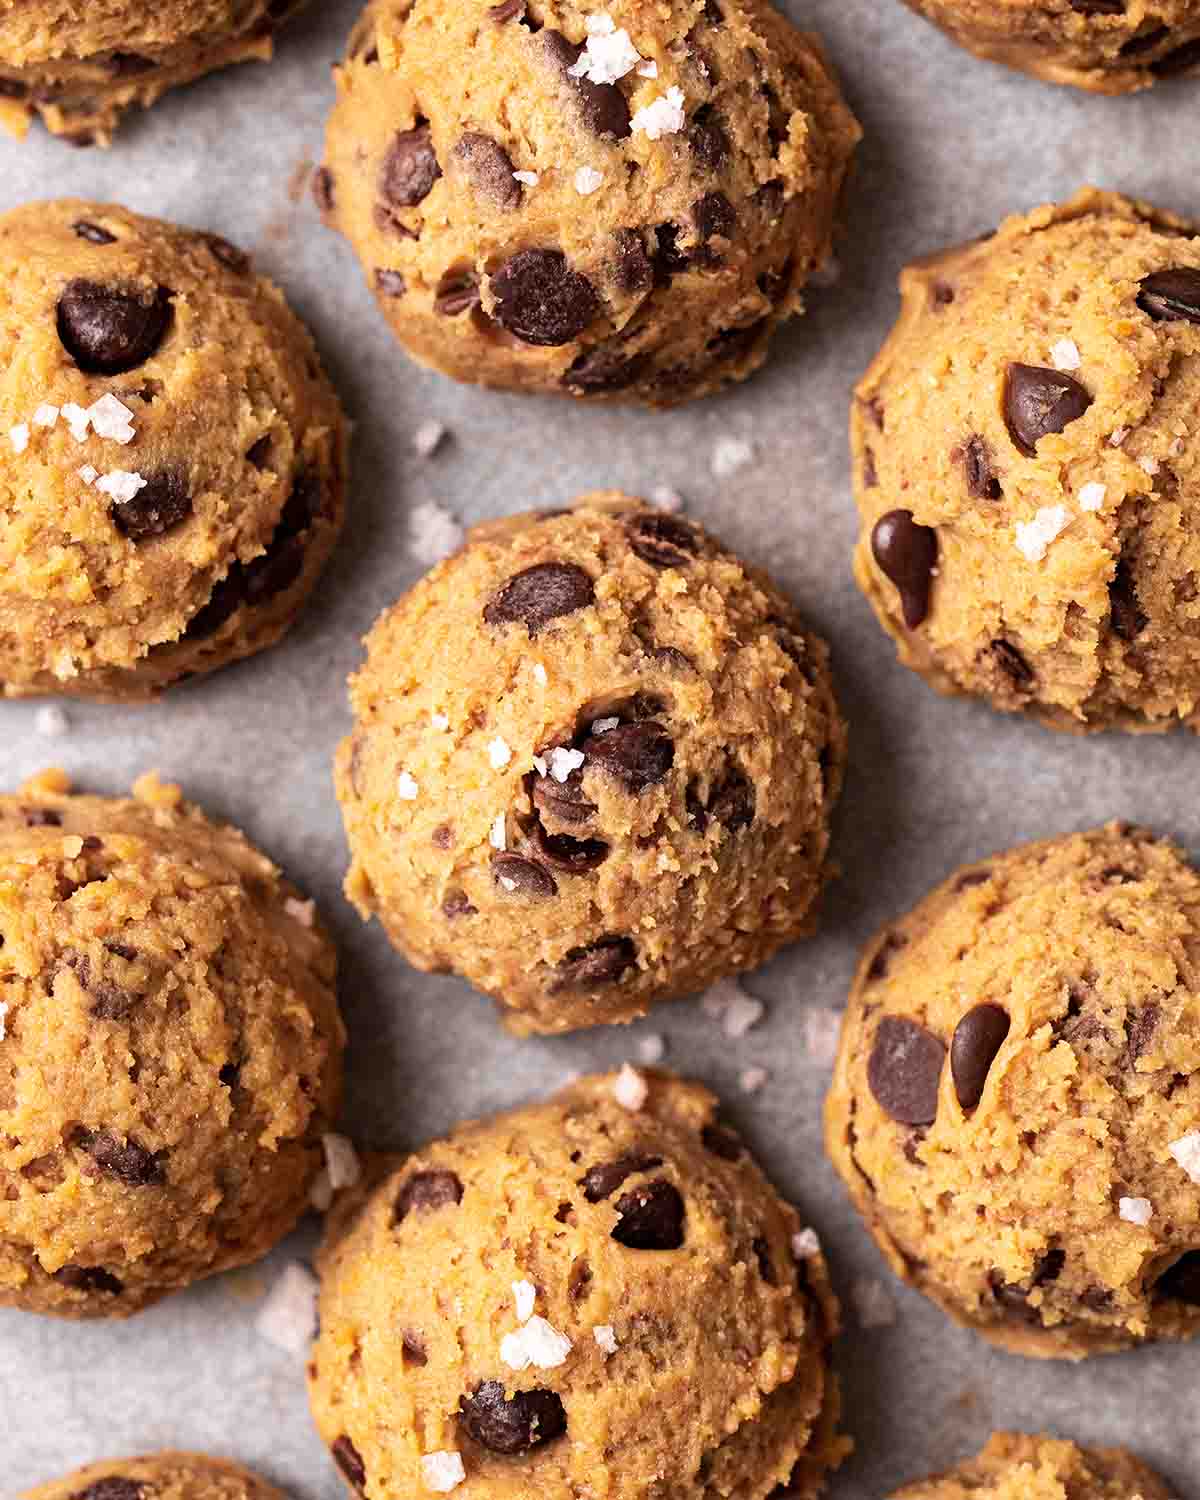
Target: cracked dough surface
pixel 159 1476
pixel 1019 1054
pixel 665 277
pixel 1032 377
pixel 237 435
pixel 593 765
pixel 171 1051
pixel 654 1226
pixel 1015 1467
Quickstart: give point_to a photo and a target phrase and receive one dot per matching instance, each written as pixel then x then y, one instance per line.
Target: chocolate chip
pixel 636 755
pixel 708 141
pixel 662 541
pixel 537 595
pixel 162 502
pixel 112 1488
pixel 93 233
pixel 605 961
pixel 458 904
pixel 870 474
pixel 1128 617
pixel 109 1001
pixel 391 283
pixel 349 1461
pixel 130 64
pixel 426 1192
pixel 41 817
pixel 574 856
pixel 1181 1282
pixel 322 190
pixel 1182 60
pixel 564 800
pixel 1012 664
pixel 668 258
pixel 632 270
pixel 977 1039
pixel 457 293
pixel 1140 1026
pixel 1098 7
pixel 11 88
pixel 506 11
pixel 904 1069
pixel 907 554
pixel 412 1350
pixel 892 944
pixel 605 369
pixel 982 483
pixel 1038 402
pixel 762 1254
pixel 106 331
pixel 731 803
pixel 89 1279
pixel 602 1181
pixel 1136 46
pixel 1172 295
pixel 715 218
pixel 490 169
pixel 259 451
pixel 1014 1299
pixel 651 1218
pixel 528 1420
pixel 523 877
pixel 229 255
pixel 123 1159
pixel 221 603
pixel 541 300
pixel 603 106
pixel 410 169
pixel 721 1142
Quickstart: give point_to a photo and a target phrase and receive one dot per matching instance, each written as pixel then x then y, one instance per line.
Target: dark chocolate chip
pixel 1049 1267
pixel 89 1279
pixel 1181 1282
pixel 349 1461
pixel 1137 46
pixel 41 817
pixel 907 554
pixel 458 904
pixel 636 755
pixel 1098 7
pixel 412 1349
pixel 574 856
pixel 651 1218
pixel 668 257
pixel 125 1159
pixel 527 1420
pixel 892 944
pixel 541 300
pixel 977 1039
pixel 603 962
pixel 602 1181
pixel 93 233
pixel 1038 401
pixel 982 483
pixel 1179 61
pixel 714 217
pixel 1128 617
pixel 1014 1300
pixel 904 1069
pixel 506 11
pixel 721 1142
pixel 457 293
pixel 425 1192
pixel 490 169
pixel 107 331
pixel 605 369
pixel 12 88
pixel 732 802
pixel 259 451
pixel 391 283
pixel 1012 664
pixel 162 503
pixel 524 877
pixel 225 598
pixel 762 1254
pixel 564 800
pixel 662 541
pixel 322 190
pixel 410 169
pixel 130 64
pixel 229 255
pixel 707 138
pixel 112 1487
pixel 1140 1026
pixel 632 270
pixel 1172 295
pixel 540 594
pixel 603 106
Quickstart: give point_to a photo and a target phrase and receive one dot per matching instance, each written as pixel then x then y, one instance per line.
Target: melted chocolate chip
pixel 1038 402
pixel 349 1461
pixel 540 594
pixel 523 877
pixel 982 483
pixel 123 1159
pixel 1147 41
pixel 490 169
pixel 229 255
pixel 162 503
pixel 1128 617
pixel 1172 295
pixel 662 541
pixel 603 106
pixel 632 270
pixel 541 300
pixel 457 293
pixel 605 369
pixel 1181 1282
pixel 721 1142
pixel 1179 61
pixel 1012 664
pixel 107 331
pixel 602 1181
pixel 93 233
pixel 1098 7
pixel 426 1192
pixel 603 962
pixel 506 11
pixel 322 190
pixel 528 1420
pixel 651 1218
pixel 89 1279
pixel 636 755
pixel 907 554
pixel 458 904
pixel 708 141
pixel 904 1069
pixel 574 856
pixel 715 218
pixel 41 817
pixel 564 800
pixel 112 1487
pixel 977 1039
pixel 410 169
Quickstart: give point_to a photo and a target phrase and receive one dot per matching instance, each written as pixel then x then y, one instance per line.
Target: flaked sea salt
pixel 587 181
pixel 499 753
pixel 536 1343
pixel 630 1089
pixel 1033 538
pixel 406 787
pixel 442 1472
pixel 288 1317
pixel 665 116
pixel 1136 1210
pixel 606 1338
pixel 122 484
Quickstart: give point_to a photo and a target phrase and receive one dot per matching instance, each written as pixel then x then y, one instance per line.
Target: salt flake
pixel 652 1049
pixel 563 762
pixel 1149 463
pixel 539 673
pixel 499 836
pixel 752 1080
pixel 46 415
pixel 530 179
pixel 525 1296
pixel 111 418
pixel 537 1343
pixel 288 1318
pixel 341 1160
pixel 630 1089
pixel 647 69
pixel 1034 537
pixel 666 116
pixel 608 54
pixel 433 533
pixel 88 473
pixel 1065 355
pixel 1186 1151
pixel 77 420
pixel 304 912
pixel 1092 496
pixel 442 1472
pixel 499 753
pixel 18 436
pixel 663 497
pixel 605 1337
pixel 439 721
pixel 602 726
pixel 806 1245
pixel 428 438
pixel 1117 437
pixel 406 787
pixel 822 1029
pixel 51 721
pixel 121 484
pixel 587 181
pixel 729 455
pixel 729 1003
pixel 1136 1210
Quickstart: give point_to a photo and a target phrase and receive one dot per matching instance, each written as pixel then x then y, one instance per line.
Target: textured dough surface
pixel 236 431
pixel 159 1476
pixel 1015 1467
pixel 689 845
pixel 1094 44
pixel 719 1384
pixel 661 283
pixel 1007 1212
pixel 1103 631
pixel 80 67
pixel 171 1050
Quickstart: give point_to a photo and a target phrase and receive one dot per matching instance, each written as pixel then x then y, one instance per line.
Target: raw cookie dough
pixel 80 67
pixel 580 1297
pixel 161 1476
pixel 1042 1181
pixel 671 204
pixel 593 766
pixel 170 1052
pixel 1015 1467
pixel 1107 46
pixel 1027 468
pixel 190 523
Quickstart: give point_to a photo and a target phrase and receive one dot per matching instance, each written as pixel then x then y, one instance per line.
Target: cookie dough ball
pixel 170 1053
pixel 1107 46
pixel 1015 1103
pixel 173 474
pixel 80 67
pixel 162 1476
pixel 618 200
pixel 1027 467
pixel 1016 1467
pixel 593 766
pixel 579 1297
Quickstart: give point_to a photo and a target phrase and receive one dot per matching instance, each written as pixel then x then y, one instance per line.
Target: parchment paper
pixel 952 145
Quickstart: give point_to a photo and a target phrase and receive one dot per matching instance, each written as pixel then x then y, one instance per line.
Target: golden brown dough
pixel 159 1476
pixel 1015 1467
